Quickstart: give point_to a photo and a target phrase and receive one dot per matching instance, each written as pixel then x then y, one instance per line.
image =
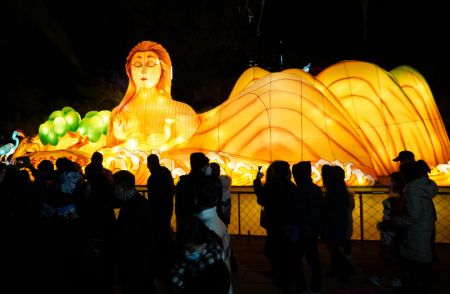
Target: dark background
pixel 72 53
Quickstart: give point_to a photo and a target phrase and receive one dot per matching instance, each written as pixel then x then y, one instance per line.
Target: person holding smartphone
pixel 276 196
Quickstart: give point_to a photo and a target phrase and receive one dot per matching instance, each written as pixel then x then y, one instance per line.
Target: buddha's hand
pixel 159 140
pixel 156 140
pixel 168 139
pixel 125 125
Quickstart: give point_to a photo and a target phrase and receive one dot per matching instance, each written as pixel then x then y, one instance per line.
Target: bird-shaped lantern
pixel 8 149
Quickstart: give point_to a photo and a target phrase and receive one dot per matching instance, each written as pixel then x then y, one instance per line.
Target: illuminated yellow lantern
pixel 284 116
pixel 147 114
pixel 353 114
pixel 392 111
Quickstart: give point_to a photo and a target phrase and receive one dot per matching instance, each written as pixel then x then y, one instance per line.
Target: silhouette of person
pixel 404 156
pixel 208 190
pixel 335 221
pixel 186 190
pixel 390 236
pixel 161 190
pixel 97 231
pixel 96 166
pixel 424 168
pixel 135 237
pixel 224 202
pixel 308 205
pixel 200 268
pixel 418 228
pixel 277 196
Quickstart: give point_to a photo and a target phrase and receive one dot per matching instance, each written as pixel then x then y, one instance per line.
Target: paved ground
pixel 253 278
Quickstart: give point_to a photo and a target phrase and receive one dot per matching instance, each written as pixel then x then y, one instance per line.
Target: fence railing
pixel 368 211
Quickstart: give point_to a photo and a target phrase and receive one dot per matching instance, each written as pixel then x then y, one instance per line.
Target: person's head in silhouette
pixel 404 156
pixel 153 162
pixel 424 168
pixel 301 172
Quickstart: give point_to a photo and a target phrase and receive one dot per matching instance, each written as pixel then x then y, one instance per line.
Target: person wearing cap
pixel 404 156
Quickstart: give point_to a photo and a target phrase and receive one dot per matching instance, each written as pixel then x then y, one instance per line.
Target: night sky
pixel 59 53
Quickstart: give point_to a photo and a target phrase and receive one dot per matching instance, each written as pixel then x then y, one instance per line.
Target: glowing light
pixel 352 114
pixel 131 144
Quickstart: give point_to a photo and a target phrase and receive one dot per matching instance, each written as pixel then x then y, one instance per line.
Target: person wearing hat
pixel 408 156
pixel 404 156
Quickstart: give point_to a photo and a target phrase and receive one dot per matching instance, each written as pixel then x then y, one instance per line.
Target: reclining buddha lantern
pixel 353 114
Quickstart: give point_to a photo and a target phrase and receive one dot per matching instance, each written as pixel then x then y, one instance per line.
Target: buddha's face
pixel 145 69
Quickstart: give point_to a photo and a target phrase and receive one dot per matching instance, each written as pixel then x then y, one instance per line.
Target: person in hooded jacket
pixel 277 196
pixel 418 224
pixel 308 207
pixel 335 221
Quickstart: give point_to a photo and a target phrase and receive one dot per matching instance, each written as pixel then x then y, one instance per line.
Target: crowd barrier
pixel 368 212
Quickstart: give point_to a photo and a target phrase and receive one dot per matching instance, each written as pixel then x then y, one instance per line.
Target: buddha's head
pixel 148 65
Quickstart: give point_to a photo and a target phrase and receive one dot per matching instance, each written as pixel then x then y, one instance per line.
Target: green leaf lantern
pixel 73 119
pixel 91 114
pixel 67 109
pixel 43 133
pixel 105 115
pixel 52 139
pixel 55 114
pixel 84 126
pixel 47 133
pixel 95 129
pixel 60 126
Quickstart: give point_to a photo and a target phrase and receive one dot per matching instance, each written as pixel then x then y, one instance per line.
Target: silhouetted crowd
pixel 298 214
pixel 65 230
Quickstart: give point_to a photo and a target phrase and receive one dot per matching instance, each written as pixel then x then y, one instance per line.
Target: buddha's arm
pixel 178 128
pixel 125 127
pixel 187 121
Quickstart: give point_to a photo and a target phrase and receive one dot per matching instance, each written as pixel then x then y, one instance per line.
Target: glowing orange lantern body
pixel 147 113
pixel 352 114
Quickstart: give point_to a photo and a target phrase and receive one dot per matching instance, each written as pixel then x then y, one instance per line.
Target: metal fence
pixel 368 211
